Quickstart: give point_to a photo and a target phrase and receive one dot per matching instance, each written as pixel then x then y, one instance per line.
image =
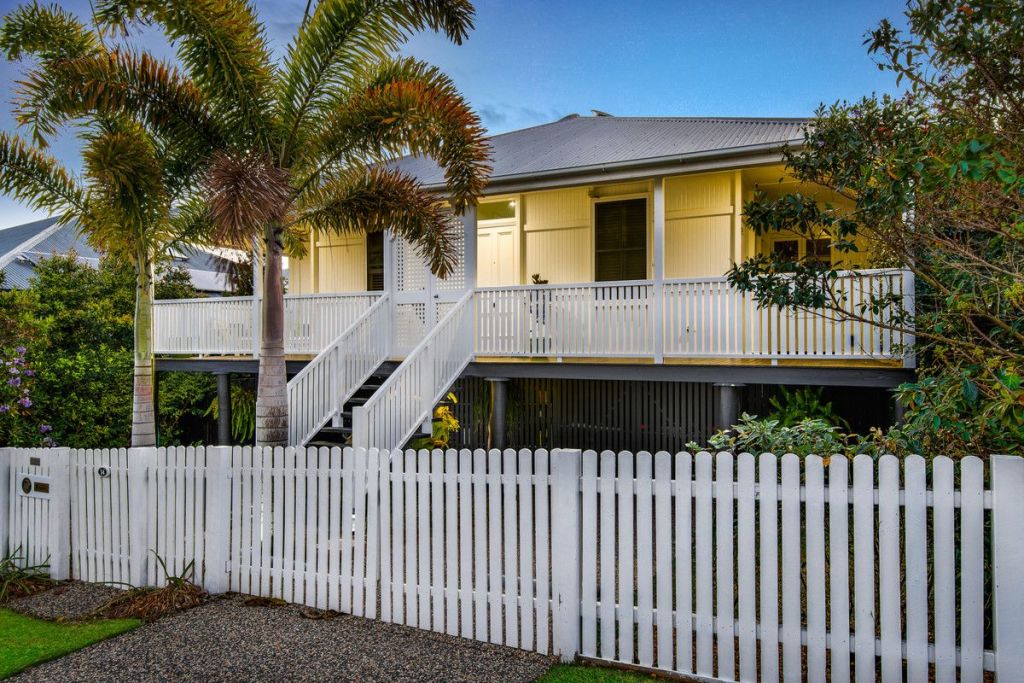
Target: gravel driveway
pixel 226 640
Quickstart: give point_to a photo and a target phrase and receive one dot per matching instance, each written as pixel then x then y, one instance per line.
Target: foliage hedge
pixel 75 324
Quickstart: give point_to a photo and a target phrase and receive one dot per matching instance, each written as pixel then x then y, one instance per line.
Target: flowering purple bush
pixel 16 420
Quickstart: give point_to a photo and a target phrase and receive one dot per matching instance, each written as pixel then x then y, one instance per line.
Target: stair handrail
pixel 407 398
pixel 318 392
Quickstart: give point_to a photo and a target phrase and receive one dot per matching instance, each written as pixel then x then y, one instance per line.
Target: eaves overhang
pixel 692 162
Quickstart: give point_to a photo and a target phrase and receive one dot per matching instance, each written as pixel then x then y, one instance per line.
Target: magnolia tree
pixel 936 184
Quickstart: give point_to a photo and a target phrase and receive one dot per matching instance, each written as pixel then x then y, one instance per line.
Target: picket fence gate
pixel 716 566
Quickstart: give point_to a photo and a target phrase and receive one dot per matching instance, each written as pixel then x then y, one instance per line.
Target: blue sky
pixel 531 61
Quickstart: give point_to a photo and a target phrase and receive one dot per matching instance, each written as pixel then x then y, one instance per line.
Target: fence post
pixel 1008 566
pixel 140 461
pixel 565 538
pixel 60 514
pixel 361 428
pixel 5 502
pixel 216 573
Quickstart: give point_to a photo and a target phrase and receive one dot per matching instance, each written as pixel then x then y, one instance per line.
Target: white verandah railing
pixel 697 318
pixel 224 326
pixel 700 318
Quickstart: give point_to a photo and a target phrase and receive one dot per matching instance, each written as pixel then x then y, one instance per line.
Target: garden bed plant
pixel 18 580
pixel 178 593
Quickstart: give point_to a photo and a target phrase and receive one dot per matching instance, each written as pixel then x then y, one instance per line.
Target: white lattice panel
pixel 441 308
pixel 456 281
pixel 410 324
pixel 411 271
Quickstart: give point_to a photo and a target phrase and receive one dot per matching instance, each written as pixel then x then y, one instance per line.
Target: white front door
pixel 497 260
pixel 420 299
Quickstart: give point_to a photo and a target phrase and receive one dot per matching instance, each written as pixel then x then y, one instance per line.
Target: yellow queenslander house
pixel 589 307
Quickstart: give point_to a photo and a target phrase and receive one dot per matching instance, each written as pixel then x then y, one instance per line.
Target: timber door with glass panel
pixel 620 255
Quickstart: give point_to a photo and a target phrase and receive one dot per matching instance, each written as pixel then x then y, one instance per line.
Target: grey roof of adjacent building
pixel 581 143
pixel 23 246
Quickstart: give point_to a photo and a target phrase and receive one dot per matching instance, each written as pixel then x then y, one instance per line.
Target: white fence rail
pixel 407 398
pixel 720 566
pixel 224 326
pixel 319 391
pixel 302 529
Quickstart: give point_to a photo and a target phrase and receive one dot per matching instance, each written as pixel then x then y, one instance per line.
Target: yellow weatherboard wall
pixel 552 233
pixel 699 225
pixel 558 236
pixel 342 263
pixel 843 260
pixel 333 263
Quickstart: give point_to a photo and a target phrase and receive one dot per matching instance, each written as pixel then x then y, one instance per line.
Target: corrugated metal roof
pixel 13 237
pixel 579 142
pixel 20 270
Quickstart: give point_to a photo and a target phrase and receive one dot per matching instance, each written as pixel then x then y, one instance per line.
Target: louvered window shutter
pixel 375 261
pixel 620 240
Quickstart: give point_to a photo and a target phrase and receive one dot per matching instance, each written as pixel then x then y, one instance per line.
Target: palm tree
pixel 130 180
pixel 303 143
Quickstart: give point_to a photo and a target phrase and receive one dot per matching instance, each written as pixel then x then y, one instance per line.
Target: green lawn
pixel 582 673
pixel 25 641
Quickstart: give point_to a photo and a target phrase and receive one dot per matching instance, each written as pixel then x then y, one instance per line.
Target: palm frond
pixel 246 193
pixel 120 160
pixel 375 199
pixel 31 176
pixel 407 106
pixel 127 198
pixel 223 47
pixel 136 86
pixel 45 32
pixel 340 36
pixel 191 222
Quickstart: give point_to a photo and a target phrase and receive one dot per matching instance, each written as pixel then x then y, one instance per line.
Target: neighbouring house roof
pixel 23 246
pixel 578 144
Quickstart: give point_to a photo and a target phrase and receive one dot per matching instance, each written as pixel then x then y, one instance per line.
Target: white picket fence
pixel 719 566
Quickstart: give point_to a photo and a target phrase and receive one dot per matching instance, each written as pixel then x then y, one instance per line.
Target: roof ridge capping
pixel 737 119
pixel 574 117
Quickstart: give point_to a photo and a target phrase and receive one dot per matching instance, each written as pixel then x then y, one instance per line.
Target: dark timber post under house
pixel 499 408
pixel 223 409
pixel 727 405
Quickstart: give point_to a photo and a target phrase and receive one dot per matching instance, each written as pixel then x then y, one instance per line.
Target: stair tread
pixel 327 431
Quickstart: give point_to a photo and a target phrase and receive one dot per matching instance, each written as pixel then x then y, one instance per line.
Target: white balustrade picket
pixel 726 567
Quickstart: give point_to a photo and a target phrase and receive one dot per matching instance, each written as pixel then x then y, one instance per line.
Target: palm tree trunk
pixel 143 406
pixel 272 391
